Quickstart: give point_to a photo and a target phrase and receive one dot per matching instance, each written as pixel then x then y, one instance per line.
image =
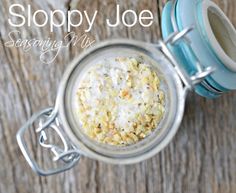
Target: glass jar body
pixel 172 85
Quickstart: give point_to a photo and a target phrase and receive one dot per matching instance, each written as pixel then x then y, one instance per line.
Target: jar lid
pixel 201 48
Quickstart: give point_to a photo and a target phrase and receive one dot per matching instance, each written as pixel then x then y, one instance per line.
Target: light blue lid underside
pixel 223 79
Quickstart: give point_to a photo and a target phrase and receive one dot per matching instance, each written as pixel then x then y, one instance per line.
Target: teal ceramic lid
pixel 212 42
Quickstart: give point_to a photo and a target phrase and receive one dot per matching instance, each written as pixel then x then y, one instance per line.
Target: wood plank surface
pixel 200 159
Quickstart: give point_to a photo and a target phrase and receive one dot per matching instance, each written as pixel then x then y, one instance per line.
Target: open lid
pixel 212 42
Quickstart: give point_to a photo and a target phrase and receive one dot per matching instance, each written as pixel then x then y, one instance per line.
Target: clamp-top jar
pixel 191 57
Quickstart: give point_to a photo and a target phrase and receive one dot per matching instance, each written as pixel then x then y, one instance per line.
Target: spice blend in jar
pixel 120 101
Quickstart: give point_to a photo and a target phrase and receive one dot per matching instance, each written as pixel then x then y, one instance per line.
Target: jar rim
pixel 129 156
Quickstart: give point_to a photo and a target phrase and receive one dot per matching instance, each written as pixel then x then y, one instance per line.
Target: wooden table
pixel 201 158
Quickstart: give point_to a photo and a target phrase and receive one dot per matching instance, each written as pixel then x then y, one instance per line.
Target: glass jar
pixel 180 67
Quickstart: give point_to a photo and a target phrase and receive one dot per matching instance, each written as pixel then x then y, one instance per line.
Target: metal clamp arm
pixel 69 155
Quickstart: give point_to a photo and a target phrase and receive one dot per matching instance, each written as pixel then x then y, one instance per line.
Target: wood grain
pixel 201 158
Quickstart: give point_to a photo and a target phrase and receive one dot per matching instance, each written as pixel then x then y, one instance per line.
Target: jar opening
pixel 154 142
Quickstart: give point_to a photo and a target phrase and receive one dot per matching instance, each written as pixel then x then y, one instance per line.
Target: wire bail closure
pixel 69 154
pixel 172 40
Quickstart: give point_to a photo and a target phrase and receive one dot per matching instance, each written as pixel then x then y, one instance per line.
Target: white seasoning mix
pixel 120 101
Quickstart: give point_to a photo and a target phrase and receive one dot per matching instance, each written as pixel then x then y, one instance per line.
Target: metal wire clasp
pixel 201 73
pixel 67 153
pixel 189 81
